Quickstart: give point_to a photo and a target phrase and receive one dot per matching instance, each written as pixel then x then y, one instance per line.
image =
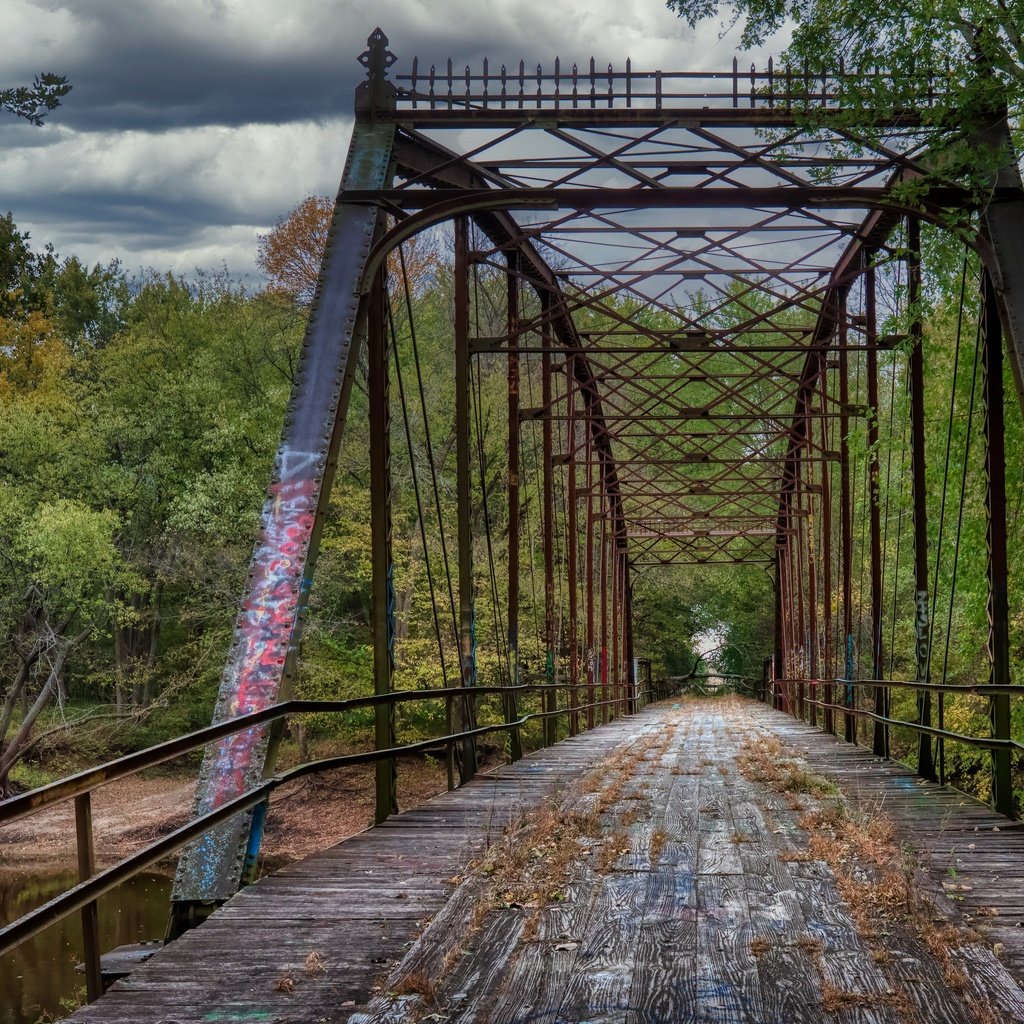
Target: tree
pixel 33 102
pixel 966 56
pixel 290 254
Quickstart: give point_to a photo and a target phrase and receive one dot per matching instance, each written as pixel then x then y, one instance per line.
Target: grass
pixel 658 838
pixel 537 856
pixel 768 760
pixel 876 876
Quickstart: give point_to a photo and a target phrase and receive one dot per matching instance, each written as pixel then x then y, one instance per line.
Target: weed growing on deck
pixel 418 983
pixel 658 839
pixel 538 854
pixel 875 874
pixel 315 965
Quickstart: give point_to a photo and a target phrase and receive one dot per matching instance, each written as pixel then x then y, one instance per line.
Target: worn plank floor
pixel 691 898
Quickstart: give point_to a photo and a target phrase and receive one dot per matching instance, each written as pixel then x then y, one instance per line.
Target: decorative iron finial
pixel 376 92
pixel 377 58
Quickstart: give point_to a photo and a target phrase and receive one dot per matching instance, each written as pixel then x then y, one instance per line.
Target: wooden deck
pixel 689 895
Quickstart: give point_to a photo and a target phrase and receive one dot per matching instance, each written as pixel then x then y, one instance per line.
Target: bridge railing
pixel 592 86
pixel 707 685
pixel 825 702
pixel 82 898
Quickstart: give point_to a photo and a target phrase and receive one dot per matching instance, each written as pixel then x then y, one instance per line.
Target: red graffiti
pixel 264 630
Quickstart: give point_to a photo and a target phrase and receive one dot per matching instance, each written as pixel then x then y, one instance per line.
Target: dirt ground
pixel 307 815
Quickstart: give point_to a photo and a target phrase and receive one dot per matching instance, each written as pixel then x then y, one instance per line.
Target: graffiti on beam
pixel 265 624
pixel 263 633
pixel 921 639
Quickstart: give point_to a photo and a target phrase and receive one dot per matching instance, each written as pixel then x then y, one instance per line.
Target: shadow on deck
pixel 686 864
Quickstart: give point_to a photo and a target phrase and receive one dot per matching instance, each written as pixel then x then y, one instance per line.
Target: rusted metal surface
pixel 265 644
pixel 465 708
pixel 922 630
pixel 378 344
pixel 684 273
pixel 997 607
pixel 880 738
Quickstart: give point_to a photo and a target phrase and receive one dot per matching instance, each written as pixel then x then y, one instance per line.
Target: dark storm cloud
pixel 152 65
pixel 143 65
pixel 194 124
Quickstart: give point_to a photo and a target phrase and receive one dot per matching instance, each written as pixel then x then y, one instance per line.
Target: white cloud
pixel 143 197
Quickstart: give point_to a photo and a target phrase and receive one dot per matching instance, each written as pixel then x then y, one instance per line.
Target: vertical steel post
pixel 511 710
pixel 790 617
pixel 465 719
pixel 780 627
pixel 826 551
pixel 800 538
pixel 925 761
pixel 812 583
pixel 383 591
pixel 613 569
pixel 623 662
pixel 571 551
pixel 90 917
pixel 548 520
pixel 588 576
pixel 995 536
pixel 631 675
pixel 846 523
pixel 602 582
pixel 880 744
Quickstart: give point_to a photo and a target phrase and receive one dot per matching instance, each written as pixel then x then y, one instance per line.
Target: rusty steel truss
pixel 693 259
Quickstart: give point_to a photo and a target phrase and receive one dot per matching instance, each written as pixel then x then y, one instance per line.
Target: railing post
pixel 880 744
pixel 465 718
pixel 90 916
pixel 383 592
pixel 995 536
pixel 511 711
pixel 925 761
pixel 846 522
pixel 548 525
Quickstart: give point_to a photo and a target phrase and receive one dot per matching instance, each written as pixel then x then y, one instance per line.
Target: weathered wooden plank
pixel 715 926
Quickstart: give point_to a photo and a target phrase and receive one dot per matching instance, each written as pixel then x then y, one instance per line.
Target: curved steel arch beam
pixel 432 163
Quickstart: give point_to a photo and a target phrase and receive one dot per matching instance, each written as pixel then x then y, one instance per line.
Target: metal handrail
pixel 64 789
pixel 83 896
pixel 914 684
pixel 984 742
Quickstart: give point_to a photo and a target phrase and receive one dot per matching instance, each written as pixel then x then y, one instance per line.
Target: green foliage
pixel 957 64
pixel 140 424
pixel 33 102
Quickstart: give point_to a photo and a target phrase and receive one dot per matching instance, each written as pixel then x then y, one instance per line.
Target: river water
pixel 38 981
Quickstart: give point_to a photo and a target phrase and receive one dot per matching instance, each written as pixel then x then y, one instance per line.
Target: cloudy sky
pixel 193 125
